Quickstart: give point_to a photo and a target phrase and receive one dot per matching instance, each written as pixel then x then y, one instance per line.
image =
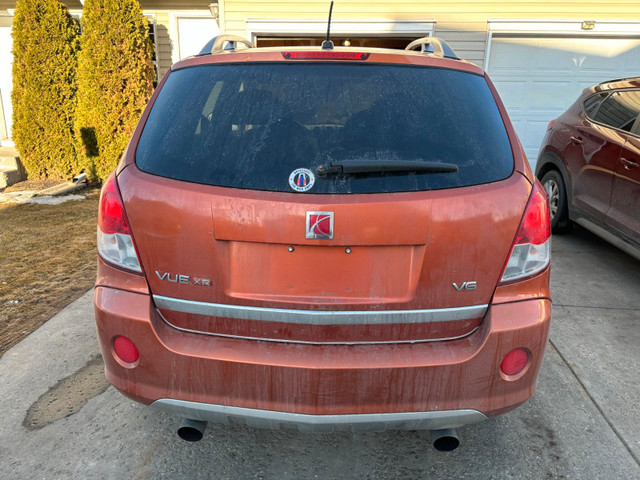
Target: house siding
pixel 163 39
pixel 464 24
pixel 166 32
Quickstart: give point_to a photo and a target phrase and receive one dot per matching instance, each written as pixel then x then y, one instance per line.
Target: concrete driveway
pixel 59 418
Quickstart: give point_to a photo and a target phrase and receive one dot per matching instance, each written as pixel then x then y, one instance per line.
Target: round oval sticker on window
pixel 302 179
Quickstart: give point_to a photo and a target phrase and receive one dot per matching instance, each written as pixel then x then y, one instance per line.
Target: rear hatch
pixel 324 202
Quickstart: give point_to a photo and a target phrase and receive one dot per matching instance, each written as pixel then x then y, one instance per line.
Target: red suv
pixel 589 163
pixel 324 238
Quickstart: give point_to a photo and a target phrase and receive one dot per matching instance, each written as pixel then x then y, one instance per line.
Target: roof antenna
pixel 328 44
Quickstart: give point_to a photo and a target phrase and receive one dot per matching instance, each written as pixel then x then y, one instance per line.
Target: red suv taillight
pixel 531 251
pixel 115 243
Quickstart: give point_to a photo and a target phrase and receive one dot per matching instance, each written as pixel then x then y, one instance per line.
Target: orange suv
pixel 324 238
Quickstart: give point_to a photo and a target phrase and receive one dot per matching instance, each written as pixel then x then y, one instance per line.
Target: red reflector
pixel 111 217
pixel 126 349
pixel 536 224
pixel 514 361
pixel 551 124
pixel 330 55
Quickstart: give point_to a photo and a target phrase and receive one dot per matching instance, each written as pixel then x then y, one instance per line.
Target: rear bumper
pixel 364 422
pixel 436 385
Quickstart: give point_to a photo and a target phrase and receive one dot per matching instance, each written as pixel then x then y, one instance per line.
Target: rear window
pixel 252 125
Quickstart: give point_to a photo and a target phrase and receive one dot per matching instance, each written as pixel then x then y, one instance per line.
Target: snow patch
pixel 30 197
pixel 51 200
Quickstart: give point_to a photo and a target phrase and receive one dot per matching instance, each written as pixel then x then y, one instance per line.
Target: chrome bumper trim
pixel 366 422
pixel 307 342
pixel 314 317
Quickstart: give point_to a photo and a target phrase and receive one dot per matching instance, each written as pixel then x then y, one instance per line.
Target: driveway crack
pixel 622 309
pixel 595 403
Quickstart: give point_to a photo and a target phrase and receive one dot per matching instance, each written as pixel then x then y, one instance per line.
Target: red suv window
pixel 619 110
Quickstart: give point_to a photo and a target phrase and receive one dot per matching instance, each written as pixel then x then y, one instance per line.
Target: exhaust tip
pixel 444 440
pixel 192 430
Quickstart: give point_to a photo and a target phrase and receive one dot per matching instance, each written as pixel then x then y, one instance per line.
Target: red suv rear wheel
pixel 557 193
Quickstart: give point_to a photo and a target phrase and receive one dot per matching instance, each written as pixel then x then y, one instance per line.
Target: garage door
pixel 540 77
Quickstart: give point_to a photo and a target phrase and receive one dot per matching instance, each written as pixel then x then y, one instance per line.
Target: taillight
pixel 514 361
pixel 115 243
pixel 551 124
pixel 531 251
pixel 126 349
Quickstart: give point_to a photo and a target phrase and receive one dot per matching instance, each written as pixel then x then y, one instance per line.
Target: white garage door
pixel 540 77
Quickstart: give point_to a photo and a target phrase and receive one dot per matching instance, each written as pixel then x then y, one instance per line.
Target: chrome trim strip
pixel 313 317
pixel 434 420
pixel 305 342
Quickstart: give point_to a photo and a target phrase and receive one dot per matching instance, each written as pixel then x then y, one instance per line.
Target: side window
pixel 592 103
pixel 620 110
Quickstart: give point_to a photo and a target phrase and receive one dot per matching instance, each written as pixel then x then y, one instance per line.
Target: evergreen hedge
pixel 115 81
pixel 45 43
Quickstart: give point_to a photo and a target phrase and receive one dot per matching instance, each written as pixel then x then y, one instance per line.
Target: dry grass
pixel 47 260
pixel 36 185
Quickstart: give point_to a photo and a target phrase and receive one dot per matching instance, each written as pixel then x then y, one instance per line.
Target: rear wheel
pixel 557 193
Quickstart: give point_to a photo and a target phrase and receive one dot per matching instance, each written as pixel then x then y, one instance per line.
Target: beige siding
pixel 165 30
pixel 464 24
pixel 163 41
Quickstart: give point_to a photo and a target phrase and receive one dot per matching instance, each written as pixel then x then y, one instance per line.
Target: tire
pixel 554 186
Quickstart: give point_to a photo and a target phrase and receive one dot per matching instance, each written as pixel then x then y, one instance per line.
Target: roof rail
pixel 224 43
pixel 620 80
pixel 433 46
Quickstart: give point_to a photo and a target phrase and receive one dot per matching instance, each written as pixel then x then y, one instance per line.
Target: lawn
pixel 47 260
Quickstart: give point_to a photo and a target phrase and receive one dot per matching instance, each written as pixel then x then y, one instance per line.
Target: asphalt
pixel 60 419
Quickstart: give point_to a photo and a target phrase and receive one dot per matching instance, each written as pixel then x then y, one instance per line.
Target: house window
pixel 77 16
pixel 154 55
pixel 151 22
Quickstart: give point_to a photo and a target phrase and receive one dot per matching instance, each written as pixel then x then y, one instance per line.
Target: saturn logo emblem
pixel 320 225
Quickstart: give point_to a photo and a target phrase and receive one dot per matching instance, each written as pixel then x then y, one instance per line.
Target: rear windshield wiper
pixel 372 166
